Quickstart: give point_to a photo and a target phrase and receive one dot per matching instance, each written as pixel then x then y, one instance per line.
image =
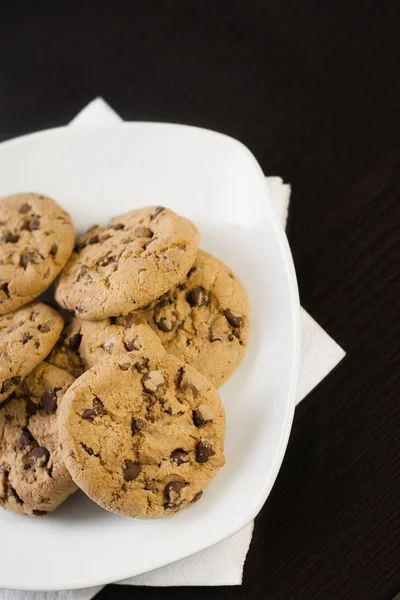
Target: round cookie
pixel 85 343
pixel 144 436
pixel 36 239
pixel 128 263
pixel 33 477
pixel 26 338
pixel 204 321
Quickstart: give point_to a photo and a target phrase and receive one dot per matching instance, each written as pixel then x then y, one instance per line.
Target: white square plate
pixel 100 171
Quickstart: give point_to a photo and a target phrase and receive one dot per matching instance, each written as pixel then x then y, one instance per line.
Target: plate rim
pixel 280 450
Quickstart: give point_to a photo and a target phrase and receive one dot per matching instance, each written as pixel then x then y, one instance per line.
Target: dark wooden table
pixel 312 87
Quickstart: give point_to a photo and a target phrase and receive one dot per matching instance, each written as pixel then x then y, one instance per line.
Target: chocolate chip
pixel 233 318
pixel 25 439
pixel 166 320
pixel 25 208
pixel 138 425
pixel 79 309
pixel 49 401
pixel 74 341
pixel 31 408
pixel 197 497
pixel 96 411
pixel 191 271
pixel 12 492
pixel 29 257
pixel 131 345
pixel 44 327
pixel 152 381
pixel 39 455
pixel 25 337
pixel 93 240
pixel 33 225
pixel 117 226
pixel 197 297
pixel 82 272
pixel 125 320
pixel 172 493
pixel 131 470
pixel 190 384
pixel 37 344
pixel 8 418
pixel 179 456
pixel 141 365
pixel 203 452
pixel 87 449
pixel 39 513
pixel 156 212
pixel 11 238
pixel 105 260
pixel 9 384
pixel 53 250
pixel 4 288
pixel 143 232
pixel 202 415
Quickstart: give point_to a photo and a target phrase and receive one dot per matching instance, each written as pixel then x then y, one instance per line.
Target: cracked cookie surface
pixel 33 477
pixel 26 338
pixel 128 263
pixel 85 343
pixel 144 436
pixel 36 239
pixel 204 320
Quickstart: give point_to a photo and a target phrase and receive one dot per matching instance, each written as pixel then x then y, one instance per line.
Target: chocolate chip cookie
pixel 26 338
pixel 85 343
pixel 36 240
pixel 204 321
pixel 114 337
pixel 128 263
pixel 33 478
pixel 142 436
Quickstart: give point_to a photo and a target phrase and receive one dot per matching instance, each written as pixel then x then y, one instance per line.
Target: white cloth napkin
pixel 221 564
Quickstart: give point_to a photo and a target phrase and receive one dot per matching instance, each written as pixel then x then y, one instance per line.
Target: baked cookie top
pixel 128 263
pixel 26 338
pixel 116 336
pixel 142 436
pixel 33 478
pixel 85 343
pixel 36 239
pixel 204 320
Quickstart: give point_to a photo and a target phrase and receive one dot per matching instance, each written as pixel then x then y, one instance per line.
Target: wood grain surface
pixel 312 87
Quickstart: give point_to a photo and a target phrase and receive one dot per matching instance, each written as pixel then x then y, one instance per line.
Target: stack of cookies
pixel 121 401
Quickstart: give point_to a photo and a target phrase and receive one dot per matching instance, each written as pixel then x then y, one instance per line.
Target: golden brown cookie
pixel 128 263
pixel 204 321
pixel 36 239
pixel 85 343
pixel 142 436
pixel 33 478
pixel 26 338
